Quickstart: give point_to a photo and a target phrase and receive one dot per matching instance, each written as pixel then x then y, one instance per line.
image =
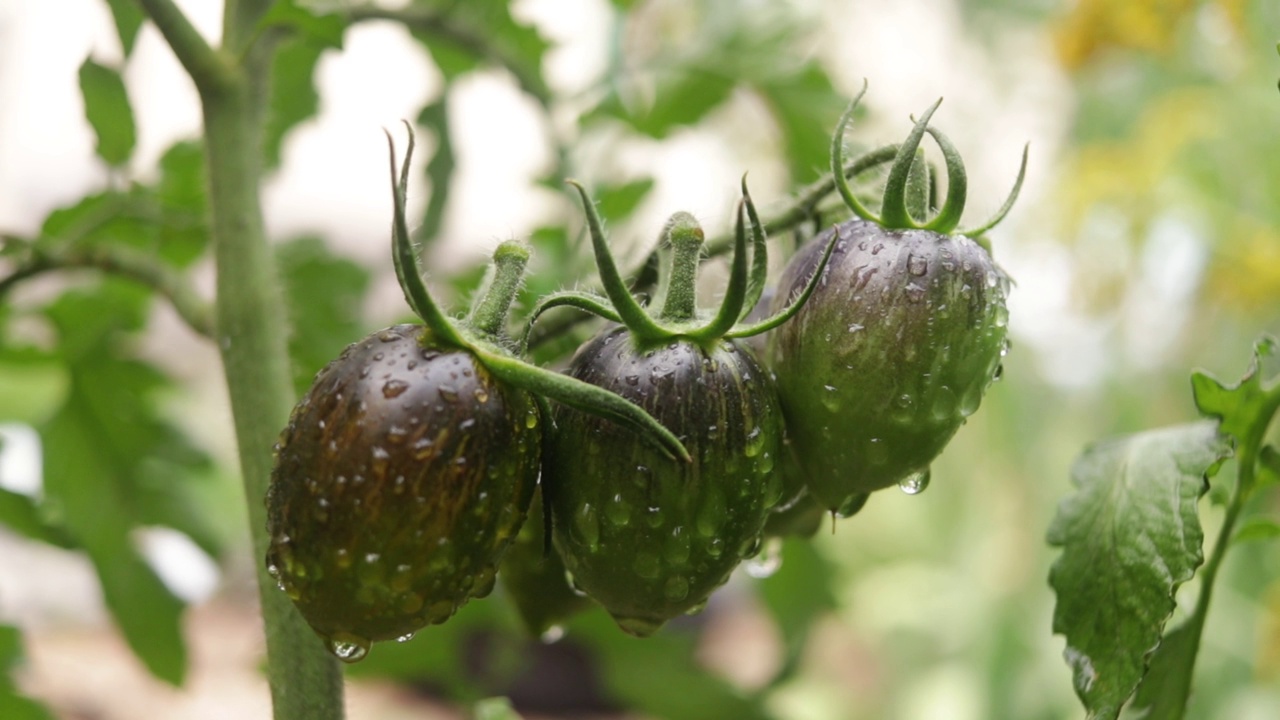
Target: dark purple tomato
pixel 895 348
pixel 402 476
pixel 648 537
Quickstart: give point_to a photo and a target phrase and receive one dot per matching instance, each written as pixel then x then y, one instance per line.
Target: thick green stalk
pixel 305 681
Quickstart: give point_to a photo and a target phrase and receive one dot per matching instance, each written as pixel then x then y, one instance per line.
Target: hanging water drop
pixel 915 483
pixel 767 562
pixel 348 648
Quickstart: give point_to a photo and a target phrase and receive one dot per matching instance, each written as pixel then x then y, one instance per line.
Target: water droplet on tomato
pixel 677 546
pixel 915 483
pixel 348 648
pixel 917 264
pixel 640 627
pixel 552 635
pixel 618 512
pixel 676 588
pixel 588 526
pixel 405 638
pixel 767 562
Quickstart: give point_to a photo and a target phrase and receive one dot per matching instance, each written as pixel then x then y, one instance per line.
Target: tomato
pixel 647 537
pixel 402 476
pixel 408 467
pixel 899 341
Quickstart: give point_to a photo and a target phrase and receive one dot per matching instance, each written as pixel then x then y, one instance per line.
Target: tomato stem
pixel 501 283
pixel 683 235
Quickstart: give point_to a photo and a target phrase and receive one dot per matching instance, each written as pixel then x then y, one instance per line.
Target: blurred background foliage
pixel 1147 242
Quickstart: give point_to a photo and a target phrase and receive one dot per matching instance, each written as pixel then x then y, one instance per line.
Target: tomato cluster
pixel 428 460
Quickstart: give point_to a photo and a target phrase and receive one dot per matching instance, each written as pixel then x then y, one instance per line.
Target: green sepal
pixel 789 311
pixel 584 301
pixel 893 209
pixel 405 259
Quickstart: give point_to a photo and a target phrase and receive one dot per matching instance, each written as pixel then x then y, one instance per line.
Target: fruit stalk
pixel 305 682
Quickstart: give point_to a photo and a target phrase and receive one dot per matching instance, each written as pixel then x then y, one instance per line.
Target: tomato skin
pixel 401 478
pixel 893 351
pixel 648 537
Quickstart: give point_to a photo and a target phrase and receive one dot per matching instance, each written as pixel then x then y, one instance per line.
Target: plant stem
pixel 124 262
pixel 306 683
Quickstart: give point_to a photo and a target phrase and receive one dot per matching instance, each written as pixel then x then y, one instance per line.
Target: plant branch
pixel 207 68
pixel 123 262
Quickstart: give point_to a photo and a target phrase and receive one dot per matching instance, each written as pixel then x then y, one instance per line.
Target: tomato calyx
pixel 908 188
pixel 483 332
pixel 679 318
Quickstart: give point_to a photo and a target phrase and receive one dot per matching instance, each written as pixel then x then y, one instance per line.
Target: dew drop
pixel 917 264
pixel 618 512
pixel 877 451
pixel 945 404
pixel 755 441
pixel 387 336
pixel 394 388
pixel 855 327
pixel 639 627
pixel 915 293
pixel 852 505
pixel 676 588
pixel 552 635
pixel 915 483
pixel 481 395
pixel 633 380
pixel 711 515
pixel 677 546
pixel 348 648
pixel 767 562
pixel 449 393
pixel 531 420
pixel 588 526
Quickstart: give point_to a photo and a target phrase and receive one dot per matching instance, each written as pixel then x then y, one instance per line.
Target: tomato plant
pixel 154 255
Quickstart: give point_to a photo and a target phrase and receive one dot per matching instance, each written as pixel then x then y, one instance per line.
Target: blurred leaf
pixel 1130 536
pixel 484 30
pixel 324 28
pixel 681 96
pixel 326 298
pixel 806 107
pixel 660 676
pixel 797 595
pixel 14 706
pixel 128 18
pixel 617 202
pixel 113 464
pixel 435 117
pixel 21 514
pixel 293 92
pixel 106 106
pixel 495 709
pixel 1255 529
pixel 1244 409
pixel 1268 467
pixel 1164 691
pixel 32 384
pixel 179 196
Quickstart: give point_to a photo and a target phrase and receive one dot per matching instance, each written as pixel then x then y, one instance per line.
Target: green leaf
pixel 797 595
pixel 13 705
pixel 293 92
pixel 484 30
pixel 1244 409
pixel 1130 536
pixel 21 514
pixel 128 17
pixel 179 195
pixel 495 709
pixel 324 28
pixel 325 295
pixel 616 202
pixel 1255 529
pixel 435 117
pixel 1163 692
pixel 805 105
pixel 106 106
pixel 113 464
pixel 683 96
